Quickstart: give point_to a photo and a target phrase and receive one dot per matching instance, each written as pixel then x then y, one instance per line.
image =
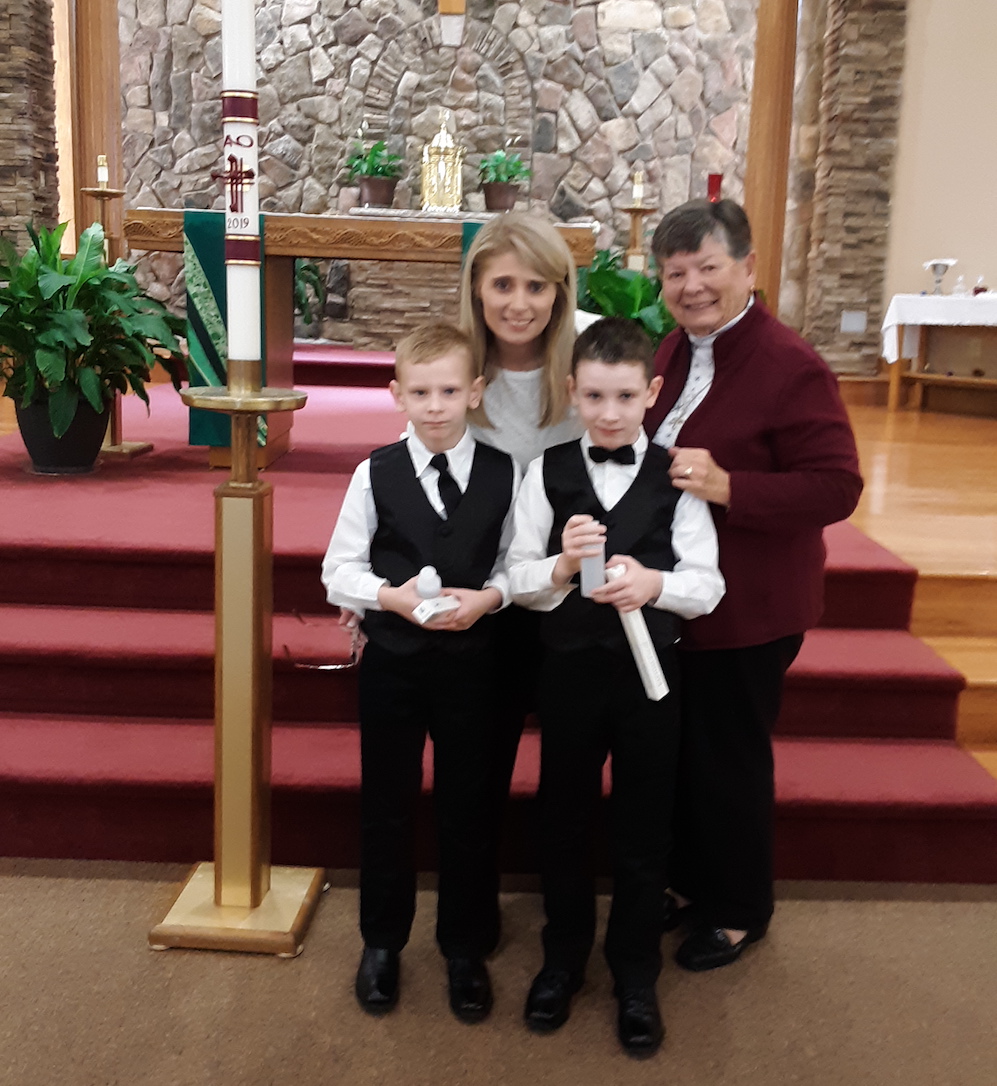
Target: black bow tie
pixel 623 455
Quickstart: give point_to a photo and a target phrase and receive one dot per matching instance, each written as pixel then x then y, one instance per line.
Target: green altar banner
pixel 207 309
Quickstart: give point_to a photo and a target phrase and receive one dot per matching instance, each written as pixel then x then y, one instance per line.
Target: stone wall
pixel 859 115
pixel 584 90
pixel 807 89
pixel 28 178
pixel 388 299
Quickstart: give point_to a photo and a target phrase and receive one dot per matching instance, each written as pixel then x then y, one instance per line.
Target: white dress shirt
pixel 346 570
pixel 694 587
pixel 697 384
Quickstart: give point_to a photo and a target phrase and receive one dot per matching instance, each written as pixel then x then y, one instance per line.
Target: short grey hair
pixel 684 229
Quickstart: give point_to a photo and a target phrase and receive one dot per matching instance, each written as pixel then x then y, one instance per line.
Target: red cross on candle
pixel 236 178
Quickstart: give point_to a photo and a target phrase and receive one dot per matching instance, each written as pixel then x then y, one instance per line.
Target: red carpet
pixel 326 364
pixel 106 658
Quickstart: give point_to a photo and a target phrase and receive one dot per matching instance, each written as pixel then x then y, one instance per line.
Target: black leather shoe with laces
pixel 638 1022
pixel 549 1003
pixel 470 989
pixel 377 980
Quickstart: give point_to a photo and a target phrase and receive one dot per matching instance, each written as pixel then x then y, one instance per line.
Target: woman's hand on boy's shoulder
pixel 637 586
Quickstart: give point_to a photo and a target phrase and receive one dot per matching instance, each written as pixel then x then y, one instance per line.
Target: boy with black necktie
pixel 610 488
pixel 436 498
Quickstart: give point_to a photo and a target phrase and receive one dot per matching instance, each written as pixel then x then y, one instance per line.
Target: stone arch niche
pixel 484 83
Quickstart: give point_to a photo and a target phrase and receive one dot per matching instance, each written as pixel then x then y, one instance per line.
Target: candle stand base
pixel 126 450
pixel 276 926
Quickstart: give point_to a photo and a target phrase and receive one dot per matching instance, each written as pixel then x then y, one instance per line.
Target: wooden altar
pixel 368 234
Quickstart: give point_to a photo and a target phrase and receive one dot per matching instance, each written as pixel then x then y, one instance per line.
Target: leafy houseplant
pixel 309 290
pixel 614 291
pixel 377 170
pixel 73 333
pixel 500 175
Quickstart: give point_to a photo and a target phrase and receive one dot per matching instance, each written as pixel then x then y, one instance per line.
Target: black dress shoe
pixel 674 915
pixel 377 980
pixel 470 989
pixel 638 1022
pixel 549 1002
pixel 710 948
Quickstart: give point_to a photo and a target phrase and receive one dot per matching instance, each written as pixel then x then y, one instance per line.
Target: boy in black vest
pixel 437 499
pixel 609 488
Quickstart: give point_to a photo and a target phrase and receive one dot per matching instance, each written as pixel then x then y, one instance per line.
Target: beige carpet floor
pixel 855 985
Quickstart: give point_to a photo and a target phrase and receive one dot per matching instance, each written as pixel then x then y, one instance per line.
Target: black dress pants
pixel 450 697
pixel 725 794
pixel 592 705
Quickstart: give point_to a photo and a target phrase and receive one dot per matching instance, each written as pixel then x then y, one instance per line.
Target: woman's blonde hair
pixel 540 247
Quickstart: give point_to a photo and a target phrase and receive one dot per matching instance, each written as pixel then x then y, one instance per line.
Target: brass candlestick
pixel 635 256
pixel 241 902
pixel 114 443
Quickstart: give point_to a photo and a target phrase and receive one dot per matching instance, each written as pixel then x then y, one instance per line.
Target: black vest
pixel 410 534
pixel 640 524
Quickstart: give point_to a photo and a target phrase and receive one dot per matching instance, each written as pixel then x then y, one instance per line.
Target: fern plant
pixel 309 289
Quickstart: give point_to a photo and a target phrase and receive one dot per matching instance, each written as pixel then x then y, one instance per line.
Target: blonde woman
pixel 518 304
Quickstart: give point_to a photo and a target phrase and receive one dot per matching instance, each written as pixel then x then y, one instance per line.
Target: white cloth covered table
pixel 911 311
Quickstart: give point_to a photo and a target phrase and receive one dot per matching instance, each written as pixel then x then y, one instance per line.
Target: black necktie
pixel 450 493
pixel 623 455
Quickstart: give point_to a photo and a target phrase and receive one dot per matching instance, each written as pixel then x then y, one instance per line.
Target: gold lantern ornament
pixel 442 158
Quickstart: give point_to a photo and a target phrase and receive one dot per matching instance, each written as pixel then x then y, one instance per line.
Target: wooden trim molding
pixel 357 237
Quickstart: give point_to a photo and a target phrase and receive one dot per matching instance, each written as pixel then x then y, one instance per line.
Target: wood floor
pixel 931 498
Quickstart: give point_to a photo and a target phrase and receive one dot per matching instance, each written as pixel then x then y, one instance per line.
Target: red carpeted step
pixel 872 683
pixel 142 790
pixel 103 660
pixel 865 585
pixel 328 364
pixel 892 810
pixel 130 661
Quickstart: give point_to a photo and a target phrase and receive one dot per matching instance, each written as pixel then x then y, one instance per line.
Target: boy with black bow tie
pixel 440 499
pixel 609 489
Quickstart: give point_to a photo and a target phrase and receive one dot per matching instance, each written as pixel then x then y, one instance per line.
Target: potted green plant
pixel 73 334
pixel 500 175
pixel 377 171
pixel 608 288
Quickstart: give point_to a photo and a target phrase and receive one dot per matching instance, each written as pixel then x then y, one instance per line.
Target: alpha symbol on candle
pixel 236 177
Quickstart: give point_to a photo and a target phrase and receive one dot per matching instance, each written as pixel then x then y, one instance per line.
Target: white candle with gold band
pixel 240 157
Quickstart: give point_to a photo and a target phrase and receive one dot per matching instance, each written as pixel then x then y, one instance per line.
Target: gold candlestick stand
pixel 114 443
pixel 635 256
pixel 240 902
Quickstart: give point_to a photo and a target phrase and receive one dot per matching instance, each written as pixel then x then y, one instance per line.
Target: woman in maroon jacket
pixel 752 418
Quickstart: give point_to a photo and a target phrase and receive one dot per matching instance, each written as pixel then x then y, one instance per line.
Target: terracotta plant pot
pixel 377 191
pixel 75 453
pixel 500 195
